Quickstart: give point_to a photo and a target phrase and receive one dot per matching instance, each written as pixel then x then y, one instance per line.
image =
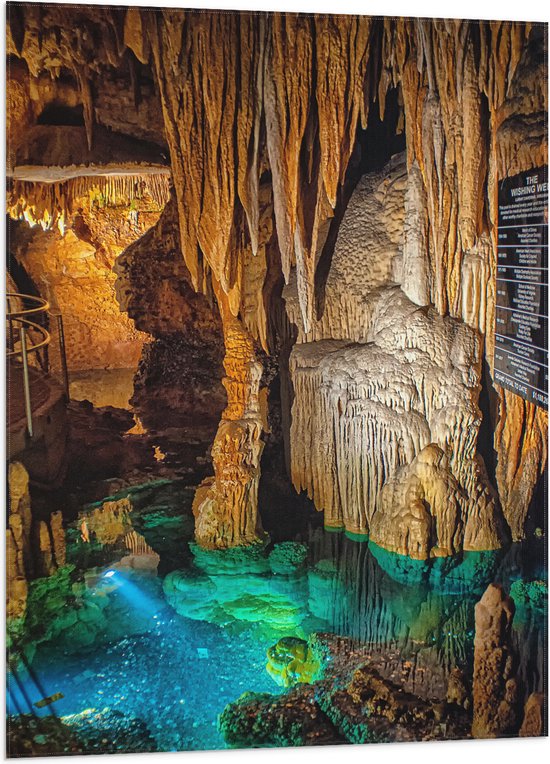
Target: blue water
pixel 163 676
pixel 177 674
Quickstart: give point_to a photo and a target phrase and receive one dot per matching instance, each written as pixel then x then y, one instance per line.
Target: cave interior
pixel 267 489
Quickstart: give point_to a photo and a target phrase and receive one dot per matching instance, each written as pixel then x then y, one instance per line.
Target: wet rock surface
pixel 351 703
pixel 92 731
pixel 258 720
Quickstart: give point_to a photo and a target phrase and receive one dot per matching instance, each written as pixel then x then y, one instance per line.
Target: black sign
pixel 521 322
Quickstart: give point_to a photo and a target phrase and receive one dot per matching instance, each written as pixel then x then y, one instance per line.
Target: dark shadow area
pixel 60 114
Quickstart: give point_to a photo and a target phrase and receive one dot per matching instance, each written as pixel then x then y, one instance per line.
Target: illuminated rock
pixel 290 661
pixel 226 506
pixel 495 688
pixel 33 547
pixel 409 393
pixel 423 511
pixel 257 169
pixel 235 588
pixel 534 718
pixel 18 541
pixel 110 521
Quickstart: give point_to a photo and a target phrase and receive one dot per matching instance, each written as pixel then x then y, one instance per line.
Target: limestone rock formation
pixel 18 541
pixel 261 114
pixel 178 377
pixel 34 547
pixel 75 274
pixel 368 255
pixel 351 701
pixel 373 407
pixel 423 511
pixel 521 439
pixel 233 587
pixel 495 689
pixel 290 661
pixel 458 691
pixel 30 735
pixel 261 720
pixel 534 718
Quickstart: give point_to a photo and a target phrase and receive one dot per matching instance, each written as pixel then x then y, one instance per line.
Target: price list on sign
pixel 521 321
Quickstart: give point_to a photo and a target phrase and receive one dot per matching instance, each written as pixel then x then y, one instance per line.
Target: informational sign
pixel 521 323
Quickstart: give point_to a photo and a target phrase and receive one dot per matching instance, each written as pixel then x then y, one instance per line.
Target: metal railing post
pixel 26 383
pixel 63 354
pixel 10 322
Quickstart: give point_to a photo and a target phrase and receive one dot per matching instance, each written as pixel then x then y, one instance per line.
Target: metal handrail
pixel 23 326
pixel 42 306
pixel 26 325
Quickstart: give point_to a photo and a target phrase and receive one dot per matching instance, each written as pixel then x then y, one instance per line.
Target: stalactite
pixel 249 124
pixel 416 278
pixel 274 66
pixel 215 133
pixel 280 96
pixel 52 204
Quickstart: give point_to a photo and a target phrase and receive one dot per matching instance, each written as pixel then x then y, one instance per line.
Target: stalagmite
pixel 495 688
pixel 385 394
pixel 226 505
pixel 371 408
pixel 18 541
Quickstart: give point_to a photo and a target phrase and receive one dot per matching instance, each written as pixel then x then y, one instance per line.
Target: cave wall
pixel 178 380
pixel 260 114
pixel 74 272
pixel 35 542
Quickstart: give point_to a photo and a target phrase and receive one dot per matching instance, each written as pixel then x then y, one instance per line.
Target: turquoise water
pixel 144 623
pixel 161 676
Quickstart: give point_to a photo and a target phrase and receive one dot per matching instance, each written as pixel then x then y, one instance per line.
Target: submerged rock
pixel 288 558
pixel 91 731
pixel 235 588
pixel 353 702
pixel 261 720
pixel 291 661
pixel 372 709
pixel 469 572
